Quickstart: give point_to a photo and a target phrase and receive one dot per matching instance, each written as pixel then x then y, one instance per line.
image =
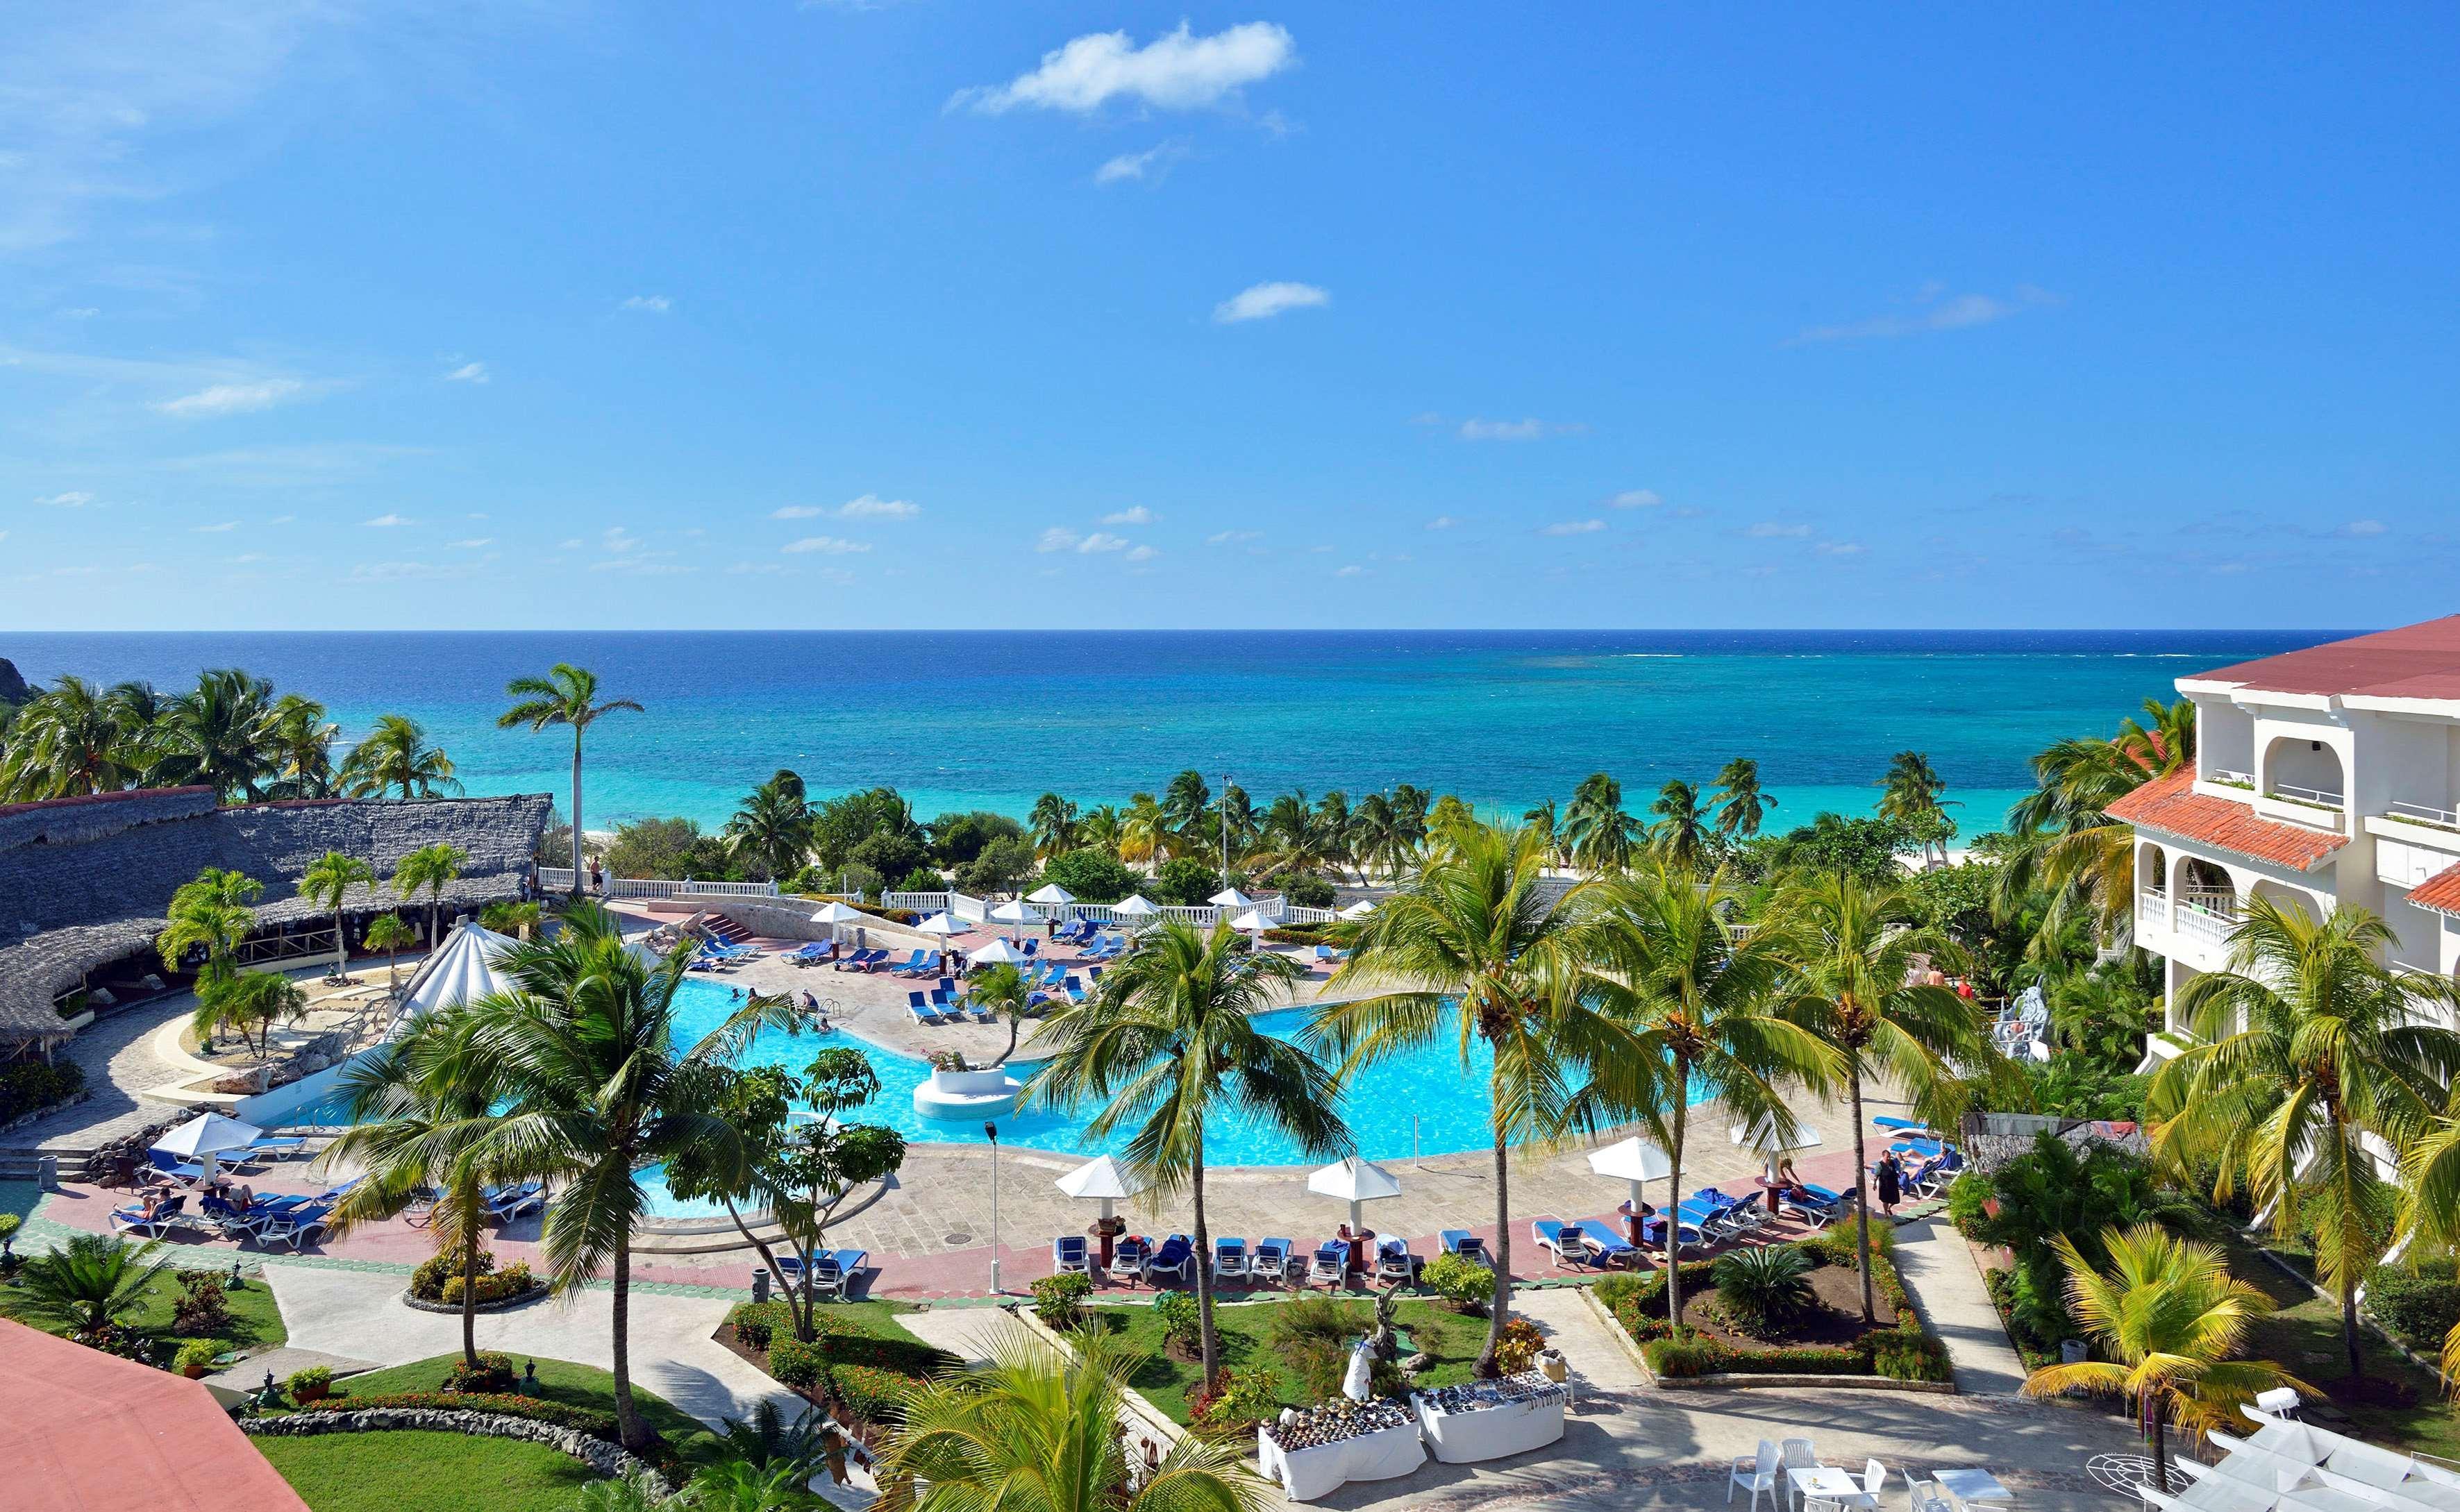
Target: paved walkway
pixel 1937 1267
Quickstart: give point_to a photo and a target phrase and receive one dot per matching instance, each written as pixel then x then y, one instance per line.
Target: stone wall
pixel 605 1458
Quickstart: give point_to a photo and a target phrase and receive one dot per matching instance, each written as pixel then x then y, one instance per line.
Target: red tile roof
pixel 2416 662
pixel 82 1431
pixel 2440 891
pixel 2170 804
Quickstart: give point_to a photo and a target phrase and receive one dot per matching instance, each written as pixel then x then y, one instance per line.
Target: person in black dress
pixel 1891 1183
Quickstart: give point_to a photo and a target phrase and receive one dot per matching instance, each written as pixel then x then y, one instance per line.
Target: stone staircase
pixel 24 1161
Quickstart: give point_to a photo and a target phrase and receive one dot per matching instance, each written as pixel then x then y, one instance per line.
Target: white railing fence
pixel 2323 797
pixel 559 879
pixel 2424 814
pixel 2198 921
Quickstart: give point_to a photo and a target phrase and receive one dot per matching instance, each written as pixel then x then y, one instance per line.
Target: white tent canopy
pixel 834 914
pixel 998 953
pixel 1102 1179
pixel 2299 1467
pixel 1251 922
pixel 1050 892
pixel 1355 1181
pixel 462 972
pixel 1358 910
pixel 1135 905
pixel 1774 1146
pixel 208 1134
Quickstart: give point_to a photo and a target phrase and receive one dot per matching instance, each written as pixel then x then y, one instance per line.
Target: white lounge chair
pixel 1758 1472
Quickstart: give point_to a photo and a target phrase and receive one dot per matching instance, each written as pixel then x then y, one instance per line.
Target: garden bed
pixel 1815 1335
pixel 863 1361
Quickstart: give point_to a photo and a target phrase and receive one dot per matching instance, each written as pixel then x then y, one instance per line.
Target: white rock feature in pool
pixel 968 1094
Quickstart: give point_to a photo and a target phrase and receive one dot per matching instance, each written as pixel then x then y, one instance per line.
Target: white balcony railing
pixel 2205 924
pixel 2422 813
pixel 2320 797
pixel 2231 779
pixel 2152 909
pixel 559 879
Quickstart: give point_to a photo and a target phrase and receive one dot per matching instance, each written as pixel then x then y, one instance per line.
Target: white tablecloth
pixel 1490 1432
pixel 1307 1473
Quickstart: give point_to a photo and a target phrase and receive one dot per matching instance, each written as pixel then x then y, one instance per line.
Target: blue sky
pixel 1017 315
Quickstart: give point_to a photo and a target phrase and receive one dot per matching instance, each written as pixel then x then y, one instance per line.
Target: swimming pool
pixel 1419 1104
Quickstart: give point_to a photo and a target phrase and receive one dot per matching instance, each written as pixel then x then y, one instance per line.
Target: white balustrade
pixel 2422 813
pixel 559 879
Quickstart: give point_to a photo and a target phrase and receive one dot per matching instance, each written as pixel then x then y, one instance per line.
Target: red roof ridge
pixel 2440 891
pixel 2421 661
pixel 2170 804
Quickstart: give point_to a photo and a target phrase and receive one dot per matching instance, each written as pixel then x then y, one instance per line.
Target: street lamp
pixel 990 1131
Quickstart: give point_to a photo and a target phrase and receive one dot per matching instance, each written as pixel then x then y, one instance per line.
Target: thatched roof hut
pixel 84 881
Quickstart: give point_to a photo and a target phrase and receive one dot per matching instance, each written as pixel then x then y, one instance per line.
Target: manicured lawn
pixel 255 1322
pixel 426 1472
pixel 1247 1343
pixel 2303 1338
pixel 558 1380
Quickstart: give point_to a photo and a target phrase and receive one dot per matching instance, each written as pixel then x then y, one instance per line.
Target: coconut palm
pixel 1100 828
pixel 1144 831
pixel 1474 947
pixel 1235 817
pixel 1187 806
pixel 329 880
pixel 1739 804
pixel 1052 824
pixel 567 695
pixel 579 1056
pixel 395 754
pixel 219 734
pixel 1600 834
pixel 2307 1045
pixel 249 1003
pixel 389 932
pixel 1680 836
pixel 1375 836
pixel 299 740
pixel 417 1126
pixel 1702 1001
pixel 2431 1204
pixel 1167 1041
pixel 1290 837
pixel 773 829
pixel 211 912
pixel 2067 843
pixel 521 920
pixel 432 867
pixel 1004 990
pixel 2171 1318
pixel 87 1284
pixel 1852 950
pixel 69 740
pixel 1038 1432
pixel 1911 798
pixel 1335 824
pixel 1542 819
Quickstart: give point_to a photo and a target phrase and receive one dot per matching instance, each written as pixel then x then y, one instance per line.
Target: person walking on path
pixel 1891 1183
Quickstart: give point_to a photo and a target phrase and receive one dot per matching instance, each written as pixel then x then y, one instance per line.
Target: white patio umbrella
pixel 1354 1181
pixel 1763 1136
pixel 1050 892
pixel 1251 922
pixel 208 1134
pixel 998 953
pixel 1231 898
pixel 1358 910
pixel 944 924
pixel 1016 912
pixel 1103 1180
pixel 1135 905
pixel 1634 1160
pixel 834 914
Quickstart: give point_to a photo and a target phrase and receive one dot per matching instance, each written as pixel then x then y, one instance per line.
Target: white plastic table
pixel 1493 1431
pixel 1306 1475
pixel 1972 1485
pixel 1825 1480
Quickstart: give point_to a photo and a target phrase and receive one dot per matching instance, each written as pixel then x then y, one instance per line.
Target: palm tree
pixel 87 1284
pixel 1852 950
pixel 389 932
pixel 1236 818
pixel 2307 1045
pixel 1165 1042
pixel 1040 1431
pixel 1474 948
pixel 1334 825
pixel 1739 804
pixel 580 1054
pixel 1100 828
pixel 1290 837
pixel 69 740
pixel 2431 1204
pixel 2170 1316
pixel 1187 809
pixel 418 1124
pixel 1376 835
pixel 299 744
pixel 395 754
pixel 211 912
pixel 567 695
pixel 433 867
pixel 220 734
pixel 1542 819
pixel 2067 844
pixel 1912 799
pixel 1680 836
pixel 1703 1004
pixel 329 880
pixel 1052 825
pixel 773 829
pixel 1003 990
pixel 521 920
pixel 1144 833
pixel 247 1000
pixel 1599 832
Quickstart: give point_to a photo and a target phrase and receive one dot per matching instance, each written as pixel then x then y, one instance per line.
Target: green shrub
pixel 1807 1359
pixel 1246 1399
pixel 1517 1350
pixel 1466 1285
pixel 1909 1355
pixel 900 1356
pixel 872 1396
pixel 426 1282
pixel 2421 1305
pixel 1968 1197
pixel 1614 1289
pixel 493 1374
pixel 306 1385
pixel 512 1282
pixel 794 1363
pixel 1682 1357
pixel 1836 1245
pixel 202 1307
pixel 751 1325
pixel 27 1087
pixel 580 1420
pixel 197 1354
pixel 1765 1290
pixel 1181 1324
pixel 1093 874
pixel 1059 1300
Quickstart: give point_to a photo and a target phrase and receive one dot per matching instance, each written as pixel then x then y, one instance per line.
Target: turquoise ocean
pixel 990 719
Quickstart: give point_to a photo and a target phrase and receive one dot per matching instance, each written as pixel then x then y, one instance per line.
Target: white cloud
pixel 871 506
pixel 1102 541
pixel 1478 429
pixel 797 512
pixel 1057 538
pixel 827 546
pixel 1176 70
pixel 215 529
pixel 471 372
pixel 77 313
pixel 386 521
pixel 474 543
pixel 1770 529
pixel 77 499
pixel 1152 165
pixel 654 304
pixel 232 398
pixel 1442 522
pixel 1136 515
pixel 1839 548
pixel 396 571
pixel 282 519
pixel 2364 526
pixel 618 540
pixel 1230 538
pixel 764 569
pixel 1584 527
pixel 1636 498
pixel 1264 301
pixel 1144 554
pixel 1353 570
pixel 1935 309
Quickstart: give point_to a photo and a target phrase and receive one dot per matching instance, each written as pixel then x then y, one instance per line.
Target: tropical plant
pixel 218 734
pixel 2067 845
pixel 1144 830
pixel 92 1282
pixel 1292 837
pixel 1680 838
pixel 1542 819
pixel 1099 876
pixel 567 695
pixel 1187 809
pixel 74 739
pixel 1165 1042
pixel 1377 836
pixel 2307 1045
pixel 395 754
pixel 1600 835
pixel 1334 825
pixel 248 1003
pixel 299 743
pixel 580 1054
pixel 430 869
pixel 519 921
pixel 1911 798
pixel 1851 949
pixel 2171 1318
pixel 211 912
pixel 1765 1289
pixel 1003 991
pixel 1473 946
pixel 1038 1430
pixel 1739 804
pixel 1700 1004
pixel 327 881
pixel 1052 825
pixel 773 829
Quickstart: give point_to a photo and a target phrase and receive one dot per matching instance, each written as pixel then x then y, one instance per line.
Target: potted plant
pixel 313 1384
pixel 196 1359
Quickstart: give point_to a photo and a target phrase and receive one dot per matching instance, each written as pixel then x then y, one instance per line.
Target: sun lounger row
pixel 1268 1262
pixel 832 1271
pixel 1585 1245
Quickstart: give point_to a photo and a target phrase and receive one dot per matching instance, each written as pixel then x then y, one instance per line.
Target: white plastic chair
pixel 1758 1472
pixel 1927 1496
pixel 1795 1454
pixel 1875 1476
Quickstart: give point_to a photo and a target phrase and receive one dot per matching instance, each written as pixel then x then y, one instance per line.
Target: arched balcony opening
pixel 2305 772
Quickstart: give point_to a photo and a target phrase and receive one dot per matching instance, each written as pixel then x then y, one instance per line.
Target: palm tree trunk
pixel 628 1418
pixel 1861 1196
pixel 1499 1306
pixel 2349 1331
pixel 1674 1206
pixel 1209 1341
pixel 341 957
pixel 768 1258
pixel 578 864
pixel 470 1294
pixel 2160 1448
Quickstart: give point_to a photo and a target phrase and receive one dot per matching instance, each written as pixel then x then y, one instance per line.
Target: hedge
pixel 802 1366
pixel 29 1087
pixel 874 1396
pixel 1903 1353
pixel 579 1419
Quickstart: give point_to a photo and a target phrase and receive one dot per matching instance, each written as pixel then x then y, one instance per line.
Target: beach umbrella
pixel 1763 1136
pixel 1050 892
pixel 1251 922
pixel 208 1134
pixel 1015 913
pixel 834 914
pixel 1634 1160
pixel 1354 1181
pixel 1135 905
pixel 1104 1181
pixel 1231 898
pixel 1358 910
pixel 998 953
pixel 945 925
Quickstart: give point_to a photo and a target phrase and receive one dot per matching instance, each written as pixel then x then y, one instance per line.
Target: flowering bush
pixel 1517 1350
pixel 493 1373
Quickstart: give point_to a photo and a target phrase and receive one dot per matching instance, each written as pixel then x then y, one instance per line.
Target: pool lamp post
pixel 990 1131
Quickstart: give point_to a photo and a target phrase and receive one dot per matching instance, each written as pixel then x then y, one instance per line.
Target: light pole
pixel 1225 829
pixel 990 1131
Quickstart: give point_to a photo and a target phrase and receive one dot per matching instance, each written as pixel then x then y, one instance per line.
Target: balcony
pixel 2206 918
pixel 2428 815
pixel 2225 778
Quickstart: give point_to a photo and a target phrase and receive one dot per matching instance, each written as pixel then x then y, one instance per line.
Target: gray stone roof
pixel 84 881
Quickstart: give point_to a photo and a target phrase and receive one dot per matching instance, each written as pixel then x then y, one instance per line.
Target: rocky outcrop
pixel 603 1457
pixel 13 688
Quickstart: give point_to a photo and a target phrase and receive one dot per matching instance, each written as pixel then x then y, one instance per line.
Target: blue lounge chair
pixel 296 1227
pixel 275 1147
pixel 1464 1243
pixel 1074 990
pixel 1902 1126
pixel 982 1011
pixel 1564 1242
pixel 1733 1213
pixel 923 1011
pixel 171 1167
pixel 1176 1254
pixel 1229 1259
pixel 1394 1261
pixel 1029 947
pixel 1271 1262
pixel 1712 1222
pixel 1329 1264
pixel 1069 1256
pixel 1128 1260
pixel 1326 956
pixel 135 1220
pixel 910 966
pixel 1819 1210
pixel 504 1204
pixel 805 955
pixel 834 1271
pixel 1607 1248
pixel 862 961
pixel 1688 1230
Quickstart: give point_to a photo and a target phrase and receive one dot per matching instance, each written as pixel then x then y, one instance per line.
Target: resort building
pixel 2324 776
pixel 84 883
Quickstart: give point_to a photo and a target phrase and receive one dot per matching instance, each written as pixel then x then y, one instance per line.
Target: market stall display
pixel 1492 1419
pixel 1316 1452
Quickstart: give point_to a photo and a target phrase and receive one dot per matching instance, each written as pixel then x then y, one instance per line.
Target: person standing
pixel 1892 1178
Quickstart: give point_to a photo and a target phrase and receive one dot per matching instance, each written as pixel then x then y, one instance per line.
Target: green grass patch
pixel 405 1471
pixel 1247 1344
pixel 558 1380
pixel 845 1317
pixel 255 1321
pixel 2303 1336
